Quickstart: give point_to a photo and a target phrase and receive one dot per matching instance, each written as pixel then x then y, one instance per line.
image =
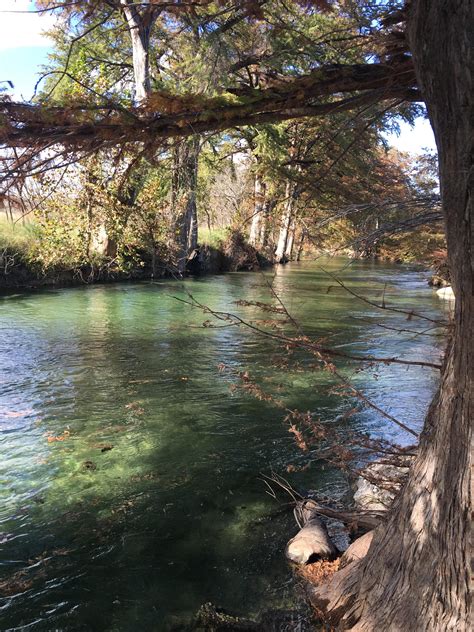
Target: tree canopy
pixel 323 79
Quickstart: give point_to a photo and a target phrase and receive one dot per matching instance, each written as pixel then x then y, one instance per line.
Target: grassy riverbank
pixel 29 257
pixel 26 263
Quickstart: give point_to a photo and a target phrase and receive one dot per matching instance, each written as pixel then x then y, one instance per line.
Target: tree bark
pixel 291 240
pixel 299 250
pixel 183 199
pixel 270 204
pixel 98 239
pixel 416 573
pixel 258 212
pixel 286 219
pixel 139 25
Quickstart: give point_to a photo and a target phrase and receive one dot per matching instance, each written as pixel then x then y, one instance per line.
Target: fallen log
pixel 312 541
pixel 356 520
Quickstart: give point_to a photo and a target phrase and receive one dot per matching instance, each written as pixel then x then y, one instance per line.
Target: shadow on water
pixel 130 489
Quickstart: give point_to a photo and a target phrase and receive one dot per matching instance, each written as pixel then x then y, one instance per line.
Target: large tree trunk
pixel 139 24
pixel 416 573
pixel 286 220
pixel 98 238
pixel 270 204
pixel 183 199
pixel 291 239
pixel 258 211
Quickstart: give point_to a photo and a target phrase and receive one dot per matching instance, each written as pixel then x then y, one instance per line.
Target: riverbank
pixel 32 258
pixel 233 254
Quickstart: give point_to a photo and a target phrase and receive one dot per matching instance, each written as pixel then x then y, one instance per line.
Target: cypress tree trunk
pixel 258 211
pixel 183 199
pixel 416 573
pixel 291 240
pixel 286 219
pixel 264 226
pixel 139 26
pixel 98 239
pixel 299 250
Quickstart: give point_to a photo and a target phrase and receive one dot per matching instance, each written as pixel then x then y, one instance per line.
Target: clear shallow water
pixel 129 469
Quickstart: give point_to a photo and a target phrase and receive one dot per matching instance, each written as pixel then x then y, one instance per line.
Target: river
pixel 130 467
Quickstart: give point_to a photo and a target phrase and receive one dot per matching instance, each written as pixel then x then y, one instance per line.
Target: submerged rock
pixel 370 495
pixel 213 619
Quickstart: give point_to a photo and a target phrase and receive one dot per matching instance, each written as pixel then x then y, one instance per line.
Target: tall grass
pixel 17 237
pixel 214 237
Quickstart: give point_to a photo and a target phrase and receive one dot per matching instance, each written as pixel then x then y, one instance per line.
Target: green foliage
pixel 421 246
pixel 90 67
pixel 61 240
pixel 17 236
pixel 148 222
pixel 214 237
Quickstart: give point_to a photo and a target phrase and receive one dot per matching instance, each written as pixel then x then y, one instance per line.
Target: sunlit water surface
pixel 130 489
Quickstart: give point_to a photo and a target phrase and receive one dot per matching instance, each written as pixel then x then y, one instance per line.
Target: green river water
pixel 137 537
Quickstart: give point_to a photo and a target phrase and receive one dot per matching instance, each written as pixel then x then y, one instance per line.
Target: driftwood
pixel 313 542
pixel 310 543
pixel 356 520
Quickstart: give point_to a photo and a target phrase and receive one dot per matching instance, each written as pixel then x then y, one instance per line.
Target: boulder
pixel 371 497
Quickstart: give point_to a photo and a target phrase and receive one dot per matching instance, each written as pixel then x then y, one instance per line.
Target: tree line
pixel 276 183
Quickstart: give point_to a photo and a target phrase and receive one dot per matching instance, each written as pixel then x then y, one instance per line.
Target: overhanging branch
pixel 324 91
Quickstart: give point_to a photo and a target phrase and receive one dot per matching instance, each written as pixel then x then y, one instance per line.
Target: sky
pixel 24 49
pixel 23 46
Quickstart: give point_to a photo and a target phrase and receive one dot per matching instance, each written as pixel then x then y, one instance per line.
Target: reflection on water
pixel 129 472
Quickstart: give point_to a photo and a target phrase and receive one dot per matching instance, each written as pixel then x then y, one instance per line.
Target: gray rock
pixel 370 496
